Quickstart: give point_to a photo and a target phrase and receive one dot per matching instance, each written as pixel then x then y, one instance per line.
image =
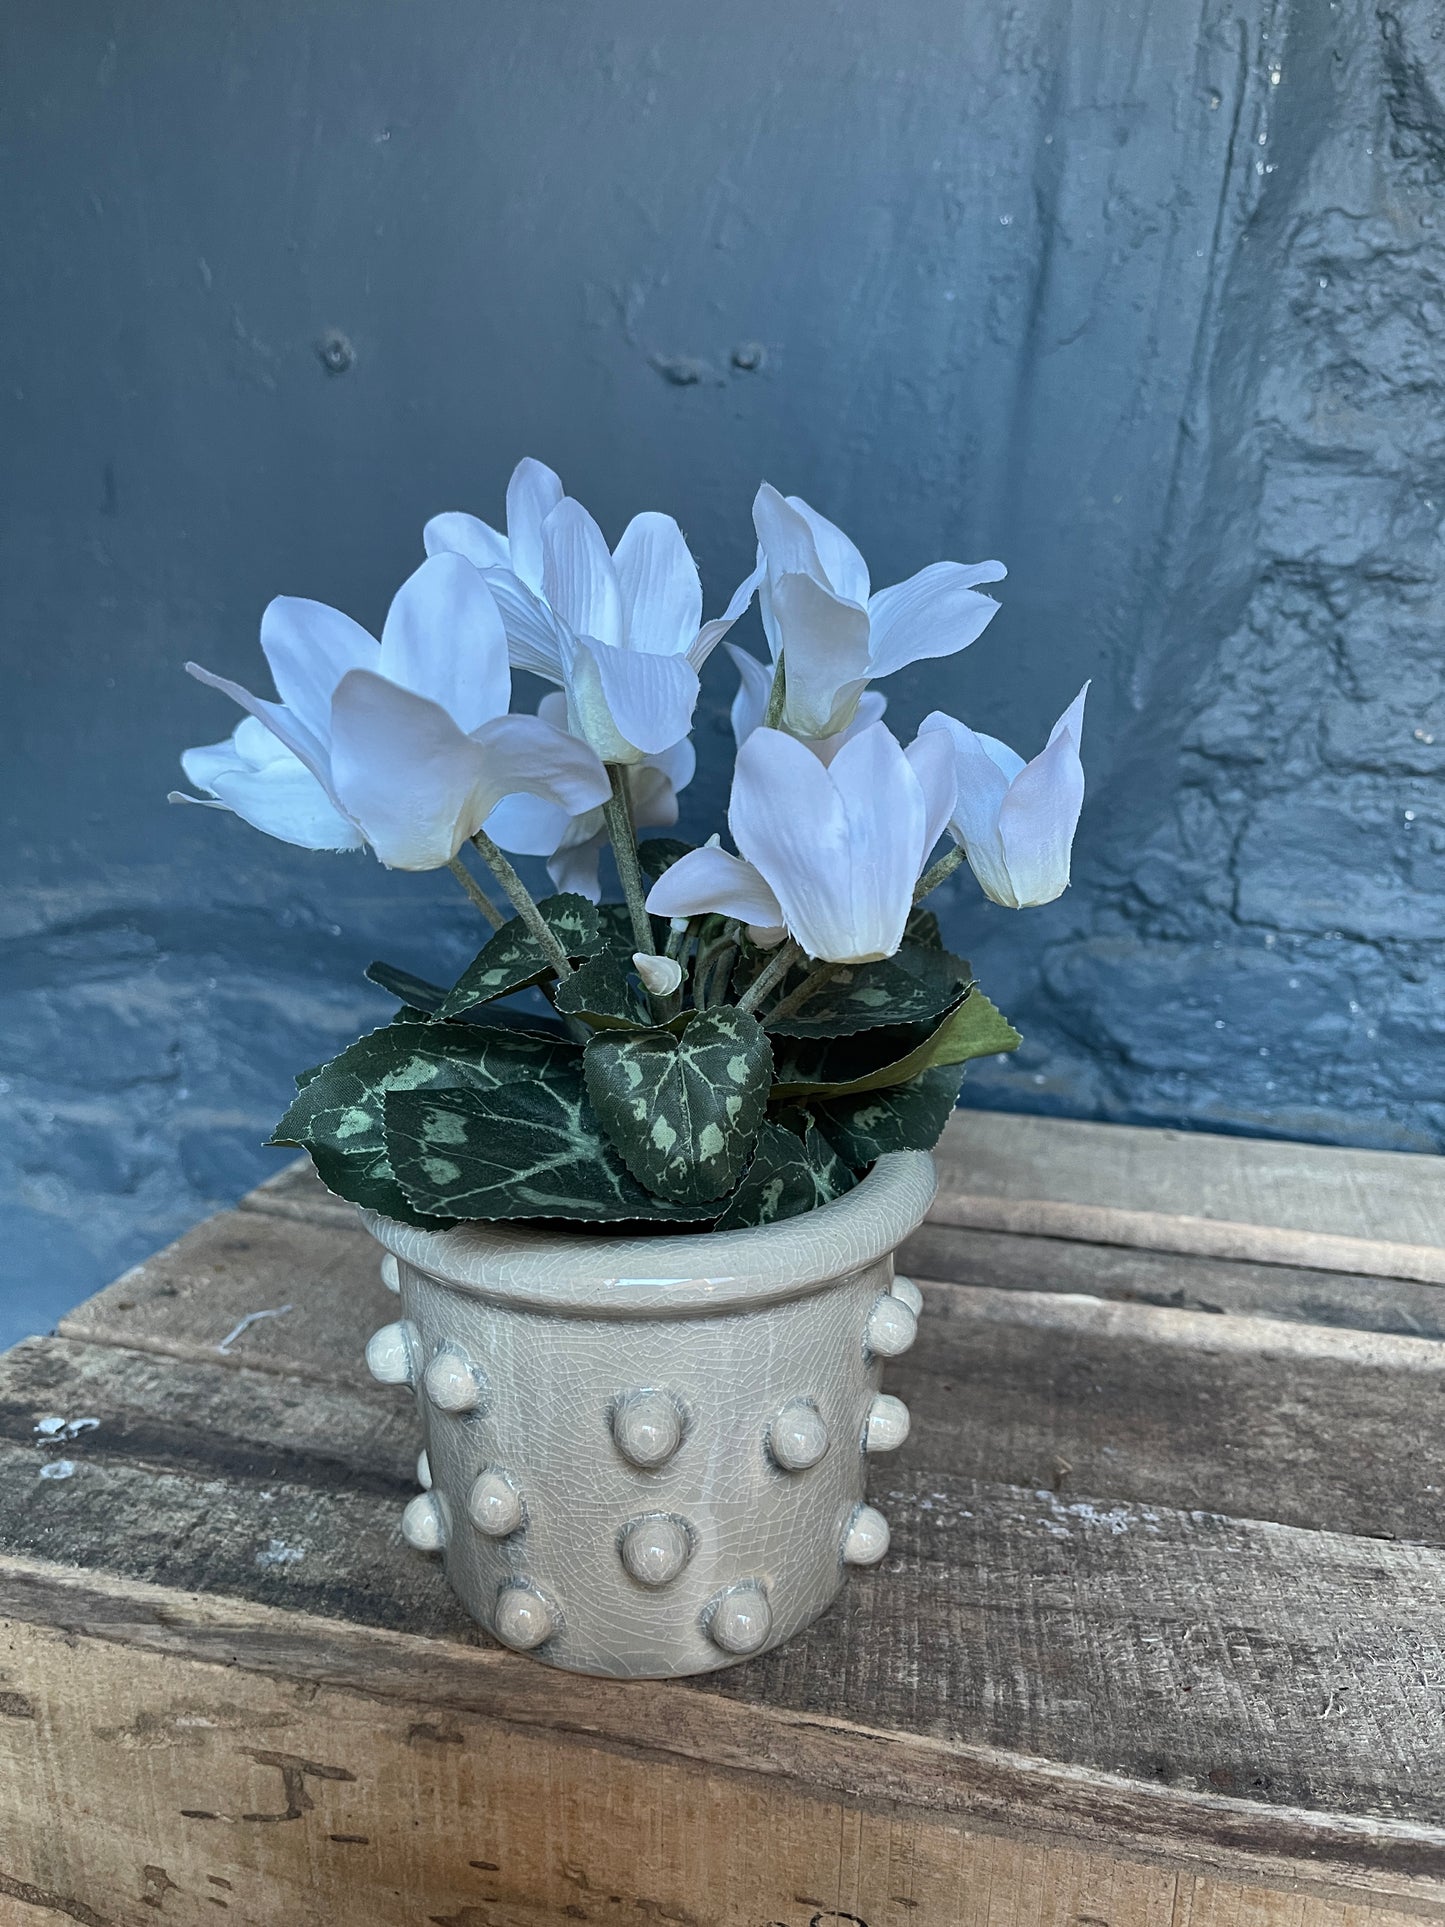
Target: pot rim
pixel 689 1274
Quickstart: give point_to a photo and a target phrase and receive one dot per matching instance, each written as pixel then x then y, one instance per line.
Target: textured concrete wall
pixel 1143 295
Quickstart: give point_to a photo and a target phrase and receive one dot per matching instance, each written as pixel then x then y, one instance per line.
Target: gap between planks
pixel 992 1789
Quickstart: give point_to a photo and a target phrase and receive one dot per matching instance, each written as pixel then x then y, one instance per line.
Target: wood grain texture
pixel 1011 1261
pixel 143 1779
pixel 1393 1196
pixel 1167 1644
pixel 1161 1635
pixel 1376 1213
pixel 673 1727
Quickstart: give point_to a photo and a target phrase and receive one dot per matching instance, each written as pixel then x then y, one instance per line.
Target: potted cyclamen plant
pixel 643 1238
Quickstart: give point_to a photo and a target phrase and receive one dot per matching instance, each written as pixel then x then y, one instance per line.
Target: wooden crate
pixel 1160 1642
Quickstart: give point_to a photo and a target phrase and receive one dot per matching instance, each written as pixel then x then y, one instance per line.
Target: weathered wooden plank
pixel 1185 1647
pixel 1131 1402
pixel 142 1778
pixel 315 1283
pixel 1244 1198
pixel 297 1192
pixel 1011 1261
pixel 1297 1424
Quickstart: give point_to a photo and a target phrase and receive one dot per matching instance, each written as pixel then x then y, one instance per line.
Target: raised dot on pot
pixel 905 1289
pixel 798 1436
pixel 494 1505
pixel 866 1540
pixel 888 1424
pixel 891 1329
pixel 655 1548
pixel 647 1428
pixel 453 1382
pixel 524 1618
pixel 740 1619
pixel 391 1353
pixel 423 1524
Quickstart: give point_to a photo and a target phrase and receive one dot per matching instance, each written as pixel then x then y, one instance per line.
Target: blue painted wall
pixel 1143 295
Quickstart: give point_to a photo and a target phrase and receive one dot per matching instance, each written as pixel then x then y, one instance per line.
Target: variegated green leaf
pixel 337 1115
pixel 912 987
pixel 513 959
pixel 904 1117
pixel 787 1174
pixel 975 1027
pixel 683 1110
pixel 526 1149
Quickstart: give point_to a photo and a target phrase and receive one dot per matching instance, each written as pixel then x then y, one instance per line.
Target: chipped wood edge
pixel 988 1788
pixel 1189 1236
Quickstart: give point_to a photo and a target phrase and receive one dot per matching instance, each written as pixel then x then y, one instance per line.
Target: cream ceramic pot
pixel 646 1456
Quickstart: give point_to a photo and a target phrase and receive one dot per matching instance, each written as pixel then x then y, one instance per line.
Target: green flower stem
pixel 477 894
pixel 940 873
pixel 773 973
pixel 526 909
pixel 777 697
pixel 679 940
pixel 618 812
pixel 718 975
pixel 814 980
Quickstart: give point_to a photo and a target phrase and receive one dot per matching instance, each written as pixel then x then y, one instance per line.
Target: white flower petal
pixel 660 975
pixel 887 813
pixel 1072 720
pixel 529 754
pixel 712 633
pixel 444 639
pixel 661 590
pixel 676 767
pixel 785 539
pixel 711 880
pixel 825 654
pixel 843 564
pixel 934 613
pixel 275 717
pixel 838 845
pixel 417 785
pixel 575 867
pixel 310 647
pixel 629 704
pixel 536 640
pixel 870 710
pixel 553 708
pixel 579 580
pixel 528 825
pixel 750 704
pixel 454 533
pixel 282 798
pixel 1038 819
pixel 532 494
pixel 981 787
pixel 931 758
pixel 1008 760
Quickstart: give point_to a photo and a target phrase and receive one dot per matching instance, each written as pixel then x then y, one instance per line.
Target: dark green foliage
pixel 683 1110
pixel 465 1108
pixel 787 1174
pixel 513 959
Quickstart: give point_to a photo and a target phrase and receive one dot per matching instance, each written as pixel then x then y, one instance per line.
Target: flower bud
pixel 660 975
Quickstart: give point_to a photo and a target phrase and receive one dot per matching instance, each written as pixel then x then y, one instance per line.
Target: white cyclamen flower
pixel 408 739
pixel 533 492
pixel 750 705
pixel 254 774
pixel 530 826
pixel 1015 821
pixel 835 634
pixel 621 632
pixel 831 851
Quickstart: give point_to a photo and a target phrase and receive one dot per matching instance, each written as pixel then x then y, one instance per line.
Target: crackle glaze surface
pixel 647 1456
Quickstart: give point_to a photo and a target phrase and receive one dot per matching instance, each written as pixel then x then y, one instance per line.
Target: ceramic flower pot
pixel 646 1456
